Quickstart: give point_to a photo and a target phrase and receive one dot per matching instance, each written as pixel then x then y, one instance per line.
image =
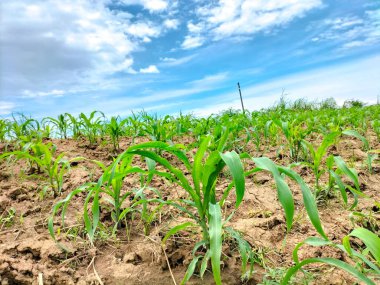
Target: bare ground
pixel 27 252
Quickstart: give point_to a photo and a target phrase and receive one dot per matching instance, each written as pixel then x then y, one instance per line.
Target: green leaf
pixel 190 270
pixel 245 250
pixel 344 168
pixel 371 240
pixel 235 166
pixel 313 241
pixel 346 245
pixel 175 230
pixel 198 165
pixel 341 186
pixel 204 263
pixel 355 134
pixel 308 199
pixel 284 194
pixel 215 232
pixel 331 261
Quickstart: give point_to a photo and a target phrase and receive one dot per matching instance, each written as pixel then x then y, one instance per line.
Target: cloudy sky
pixel 168 56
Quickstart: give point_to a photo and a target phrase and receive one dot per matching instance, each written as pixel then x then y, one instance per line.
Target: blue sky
pixel 167 56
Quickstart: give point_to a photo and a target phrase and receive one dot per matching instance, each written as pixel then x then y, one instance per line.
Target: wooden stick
pixel 167 261
pixel 241 98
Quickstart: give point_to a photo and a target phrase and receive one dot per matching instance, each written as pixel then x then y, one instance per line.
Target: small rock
pixel 132 257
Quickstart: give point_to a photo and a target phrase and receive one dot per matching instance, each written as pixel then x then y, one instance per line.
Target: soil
pixel 28 254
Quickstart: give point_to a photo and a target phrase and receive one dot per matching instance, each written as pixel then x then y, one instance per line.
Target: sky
pixel 167 56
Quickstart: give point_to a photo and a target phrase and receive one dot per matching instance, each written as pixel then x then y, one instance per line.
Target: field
pixel 287 195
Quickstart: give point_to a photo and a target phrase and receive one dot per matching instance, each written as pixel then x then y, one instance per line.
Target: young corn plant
pixel 183 124
pixel 148 214
pixel 107 193
pixel 368 260
pixel 253 134
pixel 115 130
pixel 91 126
pixel 335 178
pixel 376 128
pixel 42 156
pixel 135 126
pixel 371 155
pixel 203 199
pixel 294 134
pixel 317 156
pixel 4 129
pixel 7 218
pixel 75 126
pixel 62 124
pixel 24 129
pixel 158 129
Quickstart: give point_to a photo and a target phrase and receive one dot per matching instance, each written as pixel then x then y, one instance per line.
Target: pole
pixel 241 98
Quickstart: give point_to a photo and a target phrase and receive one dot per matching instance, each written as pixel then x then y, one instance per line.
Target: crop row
pixel 222 143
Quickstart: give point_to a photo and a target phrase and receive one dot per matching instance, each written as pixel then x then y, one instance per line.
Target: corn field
pixel 286 195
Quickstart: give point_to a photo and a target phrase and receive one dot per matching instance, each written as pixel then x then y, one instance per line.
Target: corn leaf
pixel 215 231
pixel 284 194
pixel 308 199
pixel 331 261
pixel 176 229
pixel 235 166
pixel 371 240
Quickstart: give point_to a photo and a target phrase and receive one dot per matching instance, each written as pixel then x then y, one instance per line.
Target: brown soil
pixel 27 252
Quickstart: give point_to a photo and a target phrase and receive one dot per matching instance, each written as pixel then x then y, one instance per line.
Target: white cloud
pixel 350 31
pixel 31 94
pixel 238 18
pixel 195 28
pixel 73 46
pixel 191 42
pixel 210 80
pixel 153 6
pixel 143 30
pixel 52 45
pixel 171 24
pixel 150 69
pixel 353 80
pixel 170 61
pixel 6 107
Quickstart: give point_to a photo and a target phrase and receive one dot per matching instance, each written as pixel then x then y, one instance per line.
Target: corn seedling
pixel 147 214
pixel 335 178
pixel 7 218
pixel 24 128
pixel 75 126
pixel 62 124
pixel 294 134
pixel 372 252
pixel 158 129
pixel 108 189
pixel 367 220
pixel 115 130
pixel 317 156
pixel 91 125
pixel 42 156
pixel 202 194
pixel 4 130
